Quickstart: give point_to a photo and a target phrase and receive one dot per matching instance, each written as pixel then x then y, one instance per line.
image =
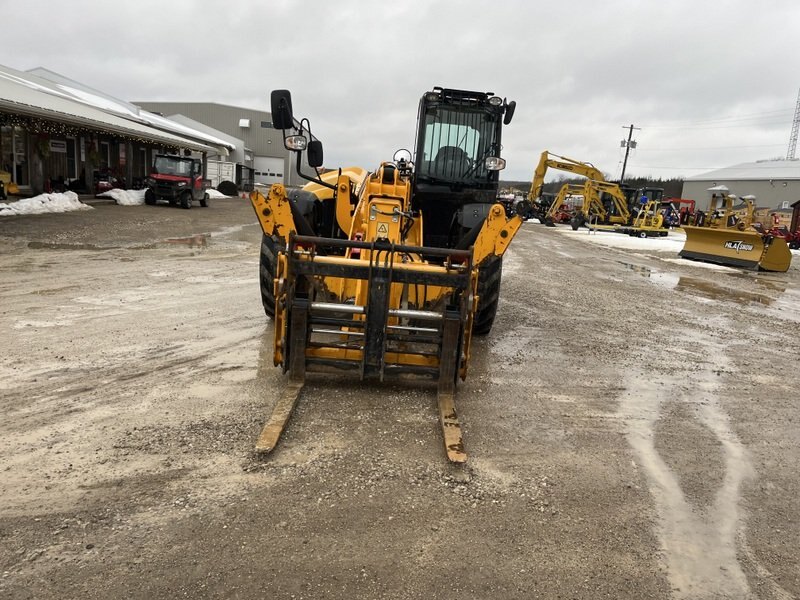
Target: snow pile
pixel 124 197
pixel 672 242
pixel 44 203
pixel 217 195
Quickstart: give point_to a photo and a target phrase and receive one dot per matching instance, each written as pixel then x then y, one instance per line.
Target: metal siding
pixel 770 195
pixel 262 142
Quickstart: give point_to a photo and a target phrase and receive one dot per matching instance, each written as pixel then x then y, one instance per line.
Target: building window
pixel 785 204
pixel 266 124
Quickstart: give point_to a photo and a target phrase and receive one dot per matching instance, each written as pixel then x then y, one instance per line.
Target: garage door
pixel 268 170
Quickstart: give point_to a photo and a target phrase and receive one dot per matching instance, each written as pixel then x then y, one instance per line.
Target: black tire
pixel 489 292
pixel 186 200
pixel 204 201
pixel 268 258
pixel 149 197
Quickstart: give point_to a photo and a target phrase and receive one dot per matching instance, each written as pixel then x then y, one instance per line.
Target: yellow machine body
pixel 388 272
pixel 727 237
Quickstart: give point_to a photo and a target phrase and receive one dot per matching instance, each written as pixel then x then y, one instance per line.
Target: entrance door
pixel 72 163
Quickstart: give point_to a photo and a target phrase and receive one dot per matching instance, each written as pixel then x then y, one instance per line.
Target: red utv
pixel 176 179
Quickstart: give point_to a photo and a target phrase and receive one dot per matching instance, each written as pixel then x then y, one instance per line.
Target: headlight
pixel 431 96
pixel 495 163
pixel 495 100
pixel 295 142
pixel 181 184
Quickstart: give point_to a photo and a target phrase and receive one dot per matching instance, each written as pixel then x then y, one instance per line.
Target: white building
pixel 774 183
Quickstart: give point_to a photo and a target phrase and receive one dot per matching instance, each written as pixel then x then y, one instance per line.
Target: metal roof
pixel 32 96
pixel 759 170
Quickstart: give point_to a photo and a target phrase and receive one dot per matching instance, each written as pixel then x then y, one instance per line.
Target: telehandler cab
pixel 390 271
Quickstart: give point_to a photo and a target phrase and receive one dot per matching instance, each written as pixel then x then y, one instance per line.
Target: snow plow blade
pixel 732 247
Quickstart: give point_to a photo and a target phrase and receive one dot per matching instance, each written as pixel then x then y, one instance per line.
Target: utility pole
pixel 627 144
pixel 795 129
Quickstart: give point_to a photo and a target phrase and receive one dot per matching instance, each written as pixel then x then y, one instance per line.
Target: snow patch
pixel 217 195
pixel 672 242
pixel 44 203
pixel 124 197
pixel 701 264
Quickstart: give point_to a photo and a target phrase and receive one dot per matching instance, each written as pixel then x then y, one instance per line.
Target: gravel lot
pixel 631 421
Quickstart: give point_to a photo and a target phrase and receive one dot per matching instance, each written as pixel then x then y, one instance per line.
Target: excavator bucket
pixel 746 248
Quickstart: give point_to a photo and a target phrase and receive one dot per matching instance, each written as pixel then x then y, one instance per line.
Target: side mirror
pixel 281 106
pixel 315 153
pixel 510 108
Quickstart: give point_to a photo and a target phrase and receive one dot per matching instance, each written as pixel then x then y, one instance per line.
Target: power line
pixel 746 117
pixel 756 167
pixel 732 126
pixel 678 168
pixel 690 148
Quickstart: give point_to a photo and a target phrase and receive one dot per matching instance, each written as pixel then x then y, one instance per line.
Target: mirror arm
pixel 316 179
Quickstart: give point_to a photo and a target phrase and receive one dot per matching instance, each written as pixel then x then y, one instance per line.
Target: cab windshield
pixel 168 165
pixel 456 144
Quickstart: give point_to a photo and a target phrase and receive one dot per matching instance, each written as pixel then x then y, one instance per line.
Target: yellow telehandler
pixel 727 237
pixel 391 271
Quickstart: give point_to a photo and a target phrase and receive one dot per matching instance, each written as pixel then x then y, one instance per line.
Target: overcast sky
pixel 710 84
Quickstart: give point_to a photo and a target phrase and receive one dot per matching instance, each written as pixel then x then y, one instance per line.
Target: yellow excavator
pixel 388 272
pixel 608 207
pixel 568 191
pixel 726 236
pixel 605 207
pixel 548 160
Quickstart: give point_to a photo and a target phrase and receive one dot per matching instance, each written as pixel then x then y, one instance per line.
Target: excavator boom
pixel 548 160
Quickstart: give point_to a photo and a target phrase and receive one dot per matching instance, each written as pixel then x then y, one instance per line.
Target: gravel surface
pixel 631 424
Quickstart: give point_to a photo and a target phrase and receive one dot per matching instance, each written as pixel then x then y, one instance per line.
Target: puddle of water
pixel 236 234
pixel 54 291
pixel 712 291
pixel 762 280
pixel 62 246
pixel 240 233
pixel 643 271
pixel 199 240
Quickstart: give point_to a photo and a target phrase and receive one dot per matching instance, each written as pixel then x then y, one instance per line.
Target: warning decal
pixel 383 230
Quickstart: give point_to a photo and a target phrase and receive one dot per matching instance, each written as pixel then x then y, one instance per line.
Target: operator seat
pixel 451 161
